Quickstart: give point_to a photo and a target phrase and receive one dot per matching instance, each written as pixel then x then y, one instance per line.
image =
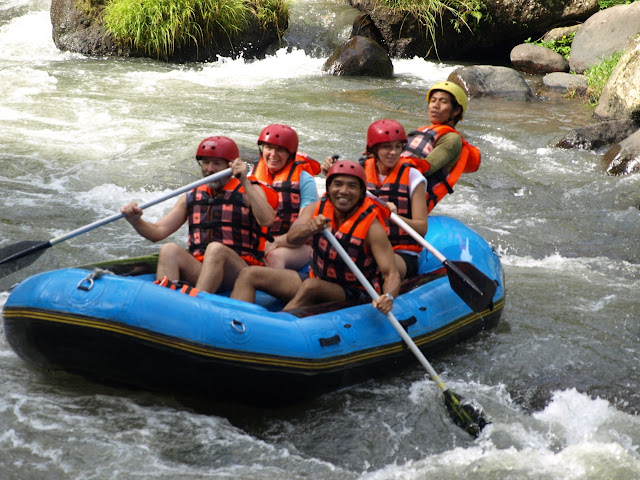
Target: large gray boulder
pixel 489 81
pixel 512 22
pixel 360 56
pixel 598 135
pixel 531 58
pixel 566 82
pixel 609 30
pixel 620 97
pixel 624 157
pixel 75 31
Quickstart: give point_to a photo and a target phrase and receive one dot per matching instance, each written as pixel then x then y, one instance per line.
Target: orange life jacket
pixel 227 219
pixel 286 183
pixel 327 265
pixel 395 189
pixel 421 142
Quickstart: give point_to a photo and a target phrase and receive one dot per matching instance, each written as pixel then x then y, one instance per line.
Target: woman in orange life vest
pixel 356 221
pixel 438 150
pixel 400 185
pixel 290 174
pixel 214 259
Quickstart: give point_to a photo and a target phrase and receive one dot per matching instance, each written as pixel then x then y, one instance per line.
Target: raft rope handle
pixel 238 326
pixel 97 273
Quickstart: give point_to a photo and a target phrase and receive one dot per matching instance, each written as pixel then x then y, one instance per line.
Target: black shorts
pixel 354 294
pixel 411 261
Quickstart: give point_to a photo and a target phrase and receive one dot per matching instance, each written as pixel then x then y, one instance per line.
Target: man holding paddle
pixel 357 222
pixel 228 219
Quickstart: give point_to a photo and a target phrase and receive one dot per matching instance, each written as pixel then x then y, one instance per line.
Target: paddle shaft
pixel 374 295
pixel 421 240
pixel 118 216
pixel 87 228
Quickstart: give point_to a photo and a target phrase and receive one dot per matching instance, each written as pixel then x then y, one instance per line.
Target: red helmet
pixel 218 147
pixel 347 167
pixel 281 135
pixel 386 130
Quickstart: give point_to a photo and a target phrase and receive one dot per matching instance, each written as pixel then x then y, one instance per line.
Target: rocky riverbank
pixel 507 65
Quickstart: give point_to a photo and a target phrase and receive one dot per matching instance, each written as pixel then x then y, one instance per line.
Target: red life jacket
pixel 327 265
pixel 396 190
pixel 421 143
pixel 286 183
pixel 224 218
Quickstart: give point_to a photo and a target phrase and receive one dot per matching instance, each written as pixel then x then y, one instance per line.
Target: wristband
pixel 390 296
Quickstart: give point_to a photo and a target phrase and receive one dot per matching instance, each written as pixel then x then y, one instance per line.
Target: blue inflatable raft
pixel 110 322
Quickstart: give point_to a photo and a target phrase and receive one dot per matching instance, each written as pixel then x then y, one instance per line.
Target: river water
pixel 558 377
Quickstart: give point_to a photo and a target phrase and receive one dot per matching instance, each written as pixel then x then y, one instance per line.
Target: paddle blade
pixel 20 255
pixel 467 415
pixel 473 286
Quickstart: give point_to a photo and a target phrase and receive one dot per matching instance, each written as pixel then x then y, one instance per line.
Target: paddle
pixel 22 254
pixel 465 414
pixel 471 285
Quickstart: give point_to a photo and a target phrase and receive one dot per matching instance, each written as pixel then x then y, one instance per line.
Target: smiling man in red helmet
pixel 238 204
pixel 356 221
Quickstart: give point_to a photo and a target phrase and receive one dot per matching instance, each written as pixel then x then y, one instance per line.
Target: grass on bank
pixel 430 13
pixel 612 3
pixel 598 75
pixel 159 27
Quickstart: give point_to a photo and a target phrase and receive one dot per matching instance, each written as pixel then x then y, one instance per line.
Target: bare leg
pixel 176 263
pixel 293 258
pixel 314 291
pixel 281 283
pixel 220 268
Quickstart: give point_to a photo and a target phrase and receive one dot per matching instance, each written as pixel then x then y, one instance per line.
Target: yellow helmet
pixel 453 89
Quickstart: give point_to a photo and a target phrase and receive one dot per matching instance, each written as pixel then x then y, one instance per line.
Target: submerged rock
pixel 596 136
pixel 490 81
pixel 360 56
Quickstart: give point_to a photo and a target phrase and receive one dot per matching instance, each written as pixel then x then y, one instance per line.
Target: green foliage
pixel 158 27
pixel 562 46
pixel 273 12
pixel 598 75
pixel 612 3
pixel 463 13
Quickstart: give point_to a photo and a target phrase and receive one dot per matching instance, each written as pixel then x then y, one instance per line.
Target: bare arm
pixel 301 232
pixel 255 197
pixel 161 229
pixel 304 216
pixel 419 213
pixel 380 247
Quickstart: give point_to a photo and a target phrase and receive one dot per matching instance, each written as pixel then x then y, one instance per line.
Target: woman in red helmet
pixel 238 202
pixel 355 220
pixel 401 185
pixel 398 183
pixel 290 173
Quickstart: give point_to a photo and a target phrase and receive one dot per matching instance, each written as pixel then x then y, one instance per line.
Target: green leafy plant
pixel 612 3
pixel 430 13
pixel 273 12
pixel 562 46
pixel 598 75
pixel 159 27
